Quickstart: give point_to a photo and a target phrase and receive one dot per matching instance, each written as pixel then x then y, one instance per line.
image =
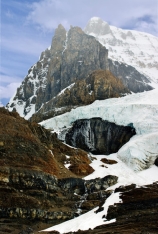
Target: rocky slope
pixel 28 145
pixel 138 212
pixel 134 48
pixel 36 185
pixel 73 55
pixel 131 207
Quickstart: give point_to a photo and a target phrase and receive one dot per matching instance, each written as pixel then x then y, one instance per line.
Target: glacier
pixel 139 110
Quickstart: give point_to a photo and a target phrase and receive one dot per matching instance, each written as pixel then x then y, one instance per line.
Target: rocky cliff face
pixel 130 77
pixel 73 55
pixel 98 136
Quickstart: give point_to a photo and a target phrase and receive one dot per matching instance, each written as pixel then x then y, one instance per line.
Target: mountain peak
pixel 76 29
pixel 126 46
pixel 95 19
pixel 60 26
pixel 97 26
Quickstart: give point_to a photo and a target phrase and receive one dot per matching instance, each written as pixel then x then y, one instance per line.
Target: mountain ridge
pixel 135 48
pixel 73 55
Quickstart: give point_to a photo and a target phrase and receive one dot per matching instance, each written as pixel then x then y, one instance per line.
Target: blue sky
pixel 27 28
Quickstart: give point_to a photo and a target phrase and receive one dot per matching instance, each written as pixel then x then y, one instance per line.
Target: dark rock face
pixel 32 195
pixel 156 162
pixel 72 56
pixel 131 78
pixel 98 136
pixel 97 185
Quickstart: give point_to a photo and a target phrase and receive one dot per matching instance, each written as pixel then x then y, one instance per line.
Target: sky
pixel 27 28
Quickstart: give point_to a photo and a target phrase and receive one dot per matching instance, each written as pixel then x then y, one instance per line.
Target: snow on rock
pixel 137 49
pixel 63 90
pixel 126 176
pixel 34 82
pixel 87 220
pixel 138 110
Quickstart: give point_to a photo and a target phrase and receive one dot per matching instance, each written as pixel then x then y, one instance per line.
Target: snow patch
pixel 87 220
pixel 63 90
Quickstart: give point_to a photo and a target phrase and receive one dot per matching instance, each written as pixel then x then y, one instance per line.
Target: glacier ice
pixel 139 110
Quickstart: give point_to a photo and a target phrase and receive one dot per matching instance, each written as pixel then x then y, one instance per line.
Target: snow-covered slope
pixel 137 49
pixel 139 110
pixel 25 101
pixel 126 177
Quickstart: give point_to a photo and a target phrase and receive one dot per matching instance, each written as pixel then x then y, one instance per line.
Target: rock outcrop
pixel 130 77
pixel 73 55
pixel 99 85
pixel 98 136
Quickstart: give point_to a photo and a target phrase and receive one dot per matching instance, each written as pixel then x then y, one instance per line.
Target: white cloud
pixel 47 14
pixel 9 90
pixel 9 79
pixel 139 15
pixel 146 27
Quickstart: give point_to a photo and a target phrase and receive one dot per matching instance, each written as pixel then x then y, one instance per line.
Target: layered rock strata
pixel 40 177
